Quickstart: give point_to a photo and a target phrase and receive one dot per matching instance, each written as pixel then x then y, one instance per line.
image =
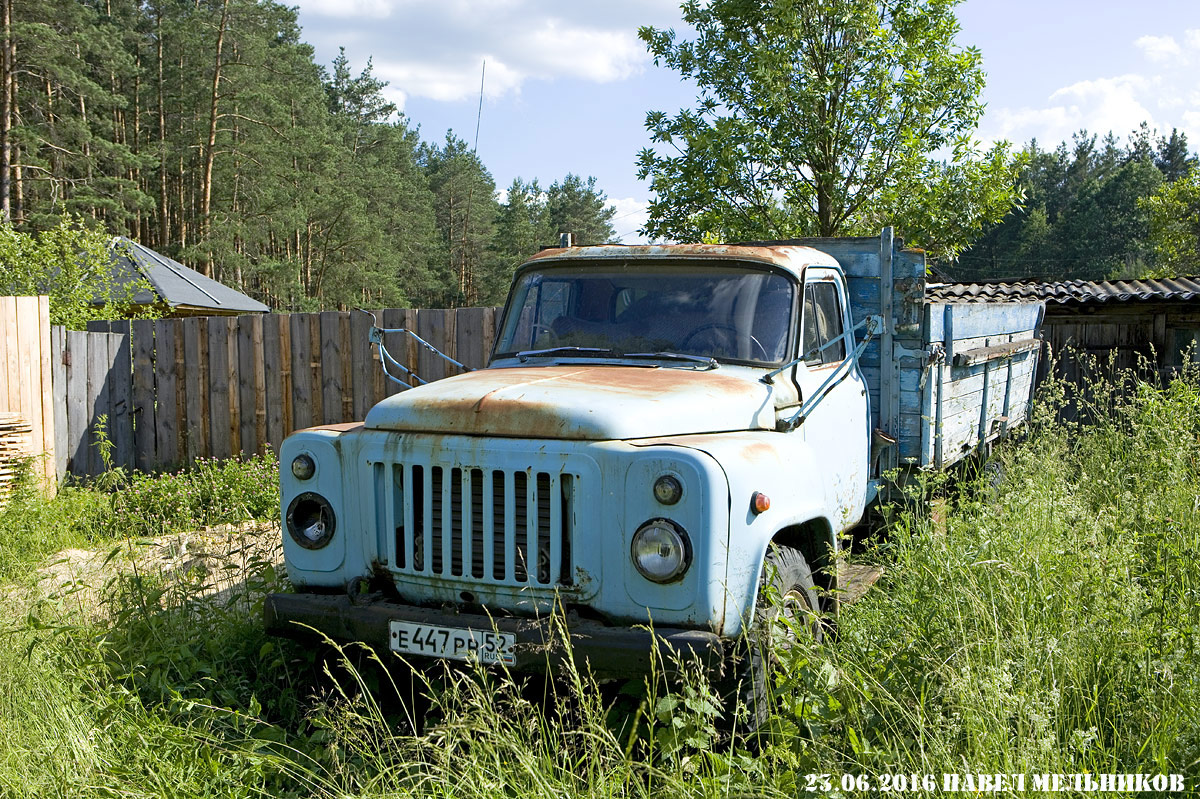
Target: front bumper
pixel 607 651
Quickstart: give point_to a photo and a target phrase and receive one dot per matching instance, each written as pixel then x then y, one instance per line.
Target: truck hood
pixel 580 402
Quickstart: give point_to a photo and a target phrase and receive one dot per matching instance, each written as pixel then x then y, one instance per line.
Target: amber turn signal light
pixel 759 502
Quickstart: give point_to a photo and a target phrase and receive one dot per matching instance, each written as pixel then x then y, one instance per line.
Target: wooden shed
pixel 1138 323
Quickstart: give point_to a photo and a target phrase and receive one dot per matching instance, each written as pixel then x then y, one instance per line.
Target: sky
pixel 567 83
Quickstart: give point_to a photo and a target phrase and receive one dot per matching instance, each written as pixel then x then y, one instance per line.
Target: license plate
pixel 454 643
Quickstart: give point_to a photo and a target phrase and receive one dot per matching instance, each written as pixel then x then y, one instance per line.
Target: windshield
pixel 729 313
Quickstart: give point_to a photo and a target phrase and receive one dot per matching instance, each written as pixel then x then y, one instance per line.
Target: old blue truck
pixel 661 433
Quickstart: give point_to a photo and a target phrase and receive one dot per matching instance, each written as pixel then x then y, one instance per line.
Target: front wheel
pixel 787 605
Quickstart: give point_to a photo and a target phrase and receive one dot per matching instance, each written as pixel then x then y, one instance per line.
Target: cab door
pixel 838 428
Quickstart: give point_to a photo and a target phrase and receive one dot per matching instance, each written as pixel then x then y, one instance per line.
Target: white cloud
pixel 436 49
pixel 630 218
pixel 1164 95
pixel 1159 49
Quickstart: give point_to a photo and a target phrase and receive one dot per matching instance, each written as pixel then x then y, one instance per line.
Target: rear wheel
pixel 787 605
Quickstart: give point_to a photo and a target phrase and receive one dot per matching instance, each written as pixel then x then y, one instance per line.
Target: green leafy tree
pixel 825 118
pixel 1175 225
pixel 73 265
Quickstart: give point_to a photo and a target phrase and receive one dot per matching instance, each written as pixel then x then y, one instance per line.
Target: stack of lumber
pixel 15 448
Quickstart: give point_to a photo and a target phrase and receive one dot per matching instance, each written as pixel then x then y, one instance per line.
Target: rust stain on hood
pixel 580 402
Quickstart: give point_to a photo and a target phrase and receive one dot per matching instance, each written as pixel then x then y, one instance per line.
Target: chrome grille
pixel 495 525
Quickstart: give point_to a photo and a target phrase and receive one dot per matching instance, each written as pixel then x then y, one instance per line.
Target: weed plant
pixel 122 505
pixel 1044 622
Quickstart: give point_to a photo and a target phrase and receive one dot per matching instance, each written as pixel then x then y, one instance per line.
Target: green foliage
pixel 72 264
pixel 1175 225
pixel 533 217
pixel 823 119
pixel 1042 620
pixel 121 505
pixel 1093 210
pixel 206 131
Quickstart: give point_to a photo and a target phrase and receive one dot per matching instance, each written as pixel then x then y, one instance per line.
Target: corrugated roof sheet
pixel 1068 291
pixel 174 283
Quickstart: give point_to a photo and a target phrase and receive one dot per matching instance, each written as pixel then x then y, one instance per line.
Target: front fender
pixel 787 470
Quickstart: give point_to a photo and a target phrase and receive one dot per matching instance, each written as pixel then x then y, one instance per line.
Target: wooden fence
pixel 170 391
pixel 25 361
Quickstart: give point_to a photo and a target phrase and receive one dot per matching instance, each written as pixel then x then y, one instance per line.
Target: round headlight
pixel 303 467
pixel 661 551
pixel 310 520
pixel 667 489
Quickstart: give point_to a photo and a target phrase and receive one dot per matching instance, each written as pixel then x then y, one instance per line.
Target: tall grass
pixel 1042 622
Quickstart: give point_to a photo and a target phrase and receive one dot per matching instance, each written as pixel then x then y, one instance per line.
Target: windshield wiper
pixel 700 360
pixel 582 352
pixel 603 352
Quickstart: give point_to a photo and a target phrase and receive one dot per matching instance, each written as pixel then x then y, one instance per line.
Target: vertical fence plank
pixel 316 369
pixel 29 364
pixel 302 385
pixel 250 383
pixel 144 432
pixel 220 424
pixel 436 326
pixel 285 386
pixel 375 366
pixel 8 314
pixel 331 373
pixel 397 347
pixel 274 371
pixel 98 401
pixel 193 331
pixel 7 352
pixel 58 366
pixel 166 392
pixel 120 382
pixel 77 397
pixel 468 328
pixel 46 385
pixel 362 385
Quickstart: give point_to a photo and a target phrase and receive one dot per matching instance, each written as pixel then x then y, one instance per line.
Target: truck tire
pixel 786 592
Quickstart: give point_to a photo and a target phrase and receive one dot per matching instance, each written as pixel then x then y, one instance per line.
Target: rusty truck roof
pixel 789 257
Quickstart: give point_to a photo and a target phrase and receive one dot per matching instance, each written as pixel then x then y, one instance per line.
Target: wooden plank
pixel 251 394
pixel 491 318
pixel 397 347
pixel 8 314
pixel 77 401
pixel 28 343
pixel 316 369
pixel 436 326
pixel 98 400
pixel 166 393
pixel 469 343
pixel 346 364
pixel 46 385
pixel 221 427
pixel 120 386
pixel 9 342
pixel 302 384
pixel 144 426
pixel 283 325
pixel 980 355
pixel 984 319
pixel 58 366
pixel 274 370
pixel 362 373
pixel 194 332
pixel 331 367
pixel 379 381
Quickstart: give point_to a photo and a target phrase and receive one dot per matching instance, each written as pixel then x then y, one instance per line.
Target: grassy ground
pixel 1045 622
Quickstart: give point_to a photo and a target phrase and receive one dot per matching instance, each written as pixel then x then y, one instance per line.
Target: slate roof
pixel 173 283
pixel 1067 291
